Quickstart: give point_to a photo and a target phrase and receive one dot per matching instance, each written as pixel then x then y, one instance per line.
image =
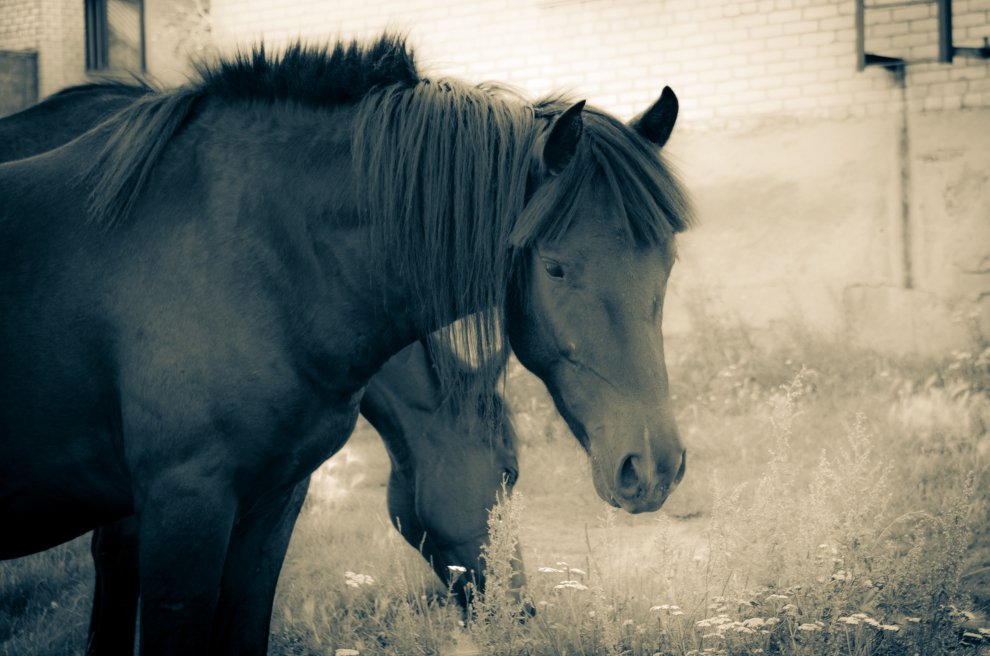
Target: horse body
pixel 203 343
pixel 222 416
pixel 155 373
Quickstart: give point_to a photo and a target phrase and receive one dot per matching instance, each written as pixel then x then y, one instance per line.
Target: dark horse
pixel 447 467
pixel 187 329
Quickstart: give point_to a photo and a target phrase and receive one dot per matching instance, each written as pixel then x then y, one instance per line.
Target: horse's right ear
pixel 562 141
pixel 656 123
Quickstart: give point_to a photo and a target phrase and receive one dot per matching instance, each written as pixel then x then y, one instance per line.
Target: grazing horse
pixel 187 328
pixel 447 467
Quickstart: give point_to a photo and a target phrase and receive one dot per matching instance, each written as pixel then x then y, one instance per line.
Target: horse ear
pixel 562 141
pixel 656 123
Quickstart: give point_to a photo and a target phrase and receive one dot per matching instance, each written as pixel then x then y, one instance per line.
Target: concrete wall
pixel 802 223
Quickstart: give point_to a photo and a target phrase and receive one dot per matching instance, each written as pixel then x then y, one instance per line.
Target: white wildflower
pixel 573 585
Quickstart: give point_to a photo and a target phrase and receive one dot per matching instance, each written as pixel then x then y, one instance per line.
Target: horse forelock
pixel 441 170
pixel 640 181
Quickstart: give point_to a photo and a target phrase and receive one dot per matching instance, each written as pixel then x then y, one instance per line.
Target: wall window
pixel 115 35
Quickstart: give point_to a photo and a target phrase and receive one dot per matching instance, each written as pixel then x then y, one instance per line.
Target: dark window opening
pixel 115 35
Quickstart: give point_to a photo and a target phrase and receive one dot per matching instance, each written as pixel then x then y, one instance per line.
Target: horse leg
pixel 254 559
pixel 185 527
pixel 115 600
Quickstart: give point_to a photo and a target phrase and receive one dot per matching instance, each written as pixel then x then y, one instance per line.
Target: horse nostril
pixel 680 470
pixel 628 478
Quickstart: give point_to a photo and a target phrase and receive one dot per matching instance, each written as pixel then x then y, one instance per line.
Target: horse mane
pixel 441 170
pixel 480 399
pixel 309 75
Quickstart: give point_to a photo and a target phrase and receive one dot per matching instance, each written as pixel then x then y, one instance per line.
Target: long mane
pixel 441 168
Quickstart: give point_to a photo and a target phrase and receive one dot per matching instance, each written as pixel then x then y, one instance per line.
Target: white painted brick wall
pixel 732 63
pixel 19 24
pixel 746 61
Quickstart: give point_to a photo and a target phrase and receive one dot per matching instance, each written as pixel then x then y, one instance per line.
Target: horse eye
pixel 553 269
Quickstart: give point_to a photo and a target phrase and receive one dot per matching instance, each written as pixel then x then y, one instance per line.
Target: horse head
pixel 596 250
pixel 450 464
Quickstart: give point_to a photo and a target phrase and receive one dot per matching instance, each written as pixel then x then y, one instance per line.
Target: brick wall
pixel 52 28
pixel 61 45
pixel 734 64
pixel 19 24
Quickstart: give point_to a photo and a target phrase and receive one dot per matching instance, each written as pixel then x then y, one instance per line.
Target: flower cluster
pixel 357 580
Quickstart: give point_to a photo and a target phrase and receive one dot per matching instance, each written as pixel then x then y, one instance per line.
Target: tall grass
pixel 835 502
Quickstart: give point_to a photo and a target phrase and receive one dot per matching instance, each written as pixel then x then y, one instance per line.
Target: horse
pixel 402 401
pixel 189 324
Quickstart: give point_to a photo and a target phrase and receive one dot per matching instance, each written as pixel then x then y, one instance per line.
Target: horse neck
pixel 294 167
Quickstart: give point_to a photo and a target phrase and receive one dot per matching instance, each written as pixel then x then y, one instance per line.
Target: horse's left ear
pixel 656 123
pixel 562 141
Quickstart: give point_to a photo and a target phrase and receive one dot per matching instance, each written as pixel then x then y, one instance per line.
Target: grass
pixel 835 503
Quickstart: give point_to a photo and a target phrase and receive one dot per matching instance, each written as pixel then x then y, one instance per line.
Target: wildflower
pixel 574 585
pixel 893 628
pixel 964 614
pixel 777 597
pixel 754 622
pixel 456 569
pixel 550 570
pixel 54 604
pixel 627 623
pixel 842 575
pixel 849 620
pixel 985 632
pixel 575 570
pixel 357 580
pixel 972 636
pixel 718 620
pixel 347 652
pixel 809 627
pixel 913 620
pixel 677 612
